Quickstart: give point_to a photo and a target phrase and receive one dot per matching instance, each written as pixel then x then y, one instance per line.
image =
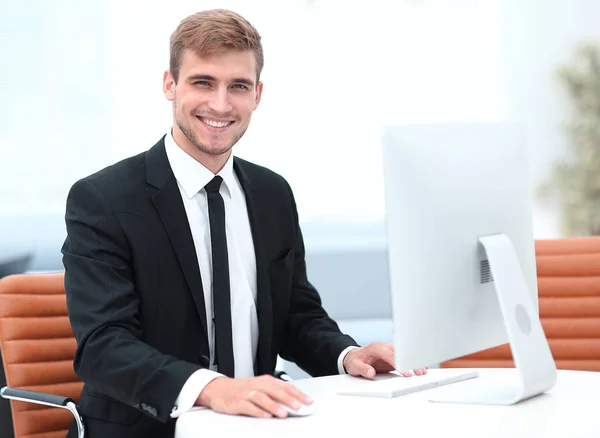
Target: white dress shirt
pixel 191 178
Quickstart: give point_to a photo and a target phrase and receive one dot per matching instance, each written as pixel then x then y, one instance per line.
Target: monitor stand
pixel 535 367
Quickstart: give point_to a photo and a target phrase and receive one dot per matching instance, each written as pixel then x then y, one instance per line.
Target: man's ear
pixel 259 89
pixel 169 85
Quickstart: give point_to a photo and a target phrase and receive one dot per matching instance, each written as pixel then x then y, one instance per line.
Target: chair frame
pixel 42 398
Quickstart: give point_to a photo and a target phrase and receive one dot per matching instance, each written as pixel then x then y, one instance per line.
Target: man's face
pixel 213 99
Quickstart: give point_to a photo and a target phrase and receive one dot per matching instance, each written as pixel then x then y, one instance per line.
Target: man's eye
pixel 241 86
pixel 201 83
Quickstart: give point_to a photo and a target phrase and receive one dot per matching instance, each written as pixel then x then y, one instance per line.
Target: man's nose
pixel 220 102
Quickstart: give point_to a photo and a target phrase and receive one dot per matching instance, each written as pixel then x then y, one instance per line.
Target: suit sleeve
pixel 103 303
pixel 313 340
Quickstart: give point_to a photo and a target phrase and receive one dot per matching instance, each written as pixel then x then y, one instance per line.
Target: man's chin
pixel 215 150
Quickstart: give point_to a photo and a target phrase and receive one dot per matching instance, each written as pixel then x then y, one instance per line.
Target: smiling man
pixel 214 93
pixel 185 266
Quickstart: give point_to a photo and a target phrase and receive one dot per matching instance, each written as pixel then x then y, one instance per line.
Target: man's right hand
pixel 258 397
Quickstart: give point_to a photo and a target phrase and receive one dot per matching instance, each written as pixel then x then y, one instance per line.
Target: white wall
pixel 370 64
pixel 433 61
pixel 537 37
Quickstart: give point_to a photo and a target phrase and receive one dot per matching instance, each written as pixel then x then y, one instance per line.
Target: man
pixel 184 266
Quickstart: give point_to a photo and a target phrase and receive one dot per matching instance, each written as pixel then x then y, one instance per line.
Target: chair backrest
pixel 568 275
pixel 38 347
pixel 6 430
pixel 9 266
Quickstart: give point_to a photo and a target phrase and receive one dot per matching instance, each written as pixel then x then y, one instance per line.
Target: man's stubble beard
pixel 191 136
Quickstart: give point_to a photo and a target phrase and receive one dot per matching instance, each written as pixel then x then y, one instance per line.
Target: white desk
pixel 570 410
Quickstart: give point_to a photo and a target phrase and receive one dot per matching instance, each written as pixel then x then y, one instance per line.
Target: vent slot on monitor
pixel 485 272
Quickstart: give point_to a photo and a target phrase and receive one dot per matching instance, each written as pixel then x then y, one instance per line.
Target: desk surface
pixel 571 409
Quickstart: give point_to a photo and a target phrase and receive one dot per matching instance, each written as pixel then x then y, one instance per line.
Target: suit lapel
pixel 169 206
pixel 256 201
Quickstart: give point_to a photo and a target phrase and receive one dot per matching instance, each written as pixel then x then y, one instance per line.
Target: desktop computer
pixel 462 259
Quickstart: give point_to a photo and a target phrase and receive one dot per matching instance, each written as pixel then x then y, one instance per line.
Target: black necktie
pixel 220 279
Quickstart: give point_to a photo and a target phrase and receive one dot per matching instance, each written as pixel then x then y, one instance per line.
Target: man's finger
pixel 249 409
pixel 267 404
pixel 386 355
pixel 297 394
pixel 286 398
pixel 389 346
pixel 359 368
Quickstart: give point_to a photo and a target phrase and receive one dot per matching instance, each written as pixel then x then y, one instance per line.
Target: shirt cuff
pixel 340 362
pixel 191 390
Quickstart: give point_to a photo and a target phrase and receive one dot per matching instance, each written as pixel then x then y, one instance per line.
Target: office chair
pixel 10 265
pixel 568 274
pixel 38 346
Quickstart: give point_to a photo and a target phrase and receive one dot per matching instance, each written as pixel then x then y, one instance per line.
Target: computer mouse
pixel 304 410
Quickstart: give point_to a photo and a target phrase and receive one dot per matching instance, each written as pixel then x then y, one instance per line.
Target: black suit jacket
pixel 135 298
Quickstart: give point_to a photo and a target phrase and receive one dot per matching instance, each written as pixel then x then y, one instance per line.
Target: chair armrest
pixel 42 398
pixel 282 375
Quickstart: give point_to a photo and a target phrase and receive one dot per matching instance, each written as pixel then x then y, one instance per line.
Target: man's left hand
pixel 374 358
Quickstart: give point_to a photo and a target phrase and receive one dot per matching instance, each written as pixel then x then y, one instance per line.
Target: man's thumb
pixel 365 370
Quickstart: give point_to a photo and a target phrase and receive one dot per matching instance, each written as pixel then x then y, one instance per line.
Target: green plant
pixel 575 182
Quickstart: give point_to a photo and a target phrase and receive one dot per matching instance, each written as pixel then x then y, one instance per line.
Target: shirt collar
pixel 193 175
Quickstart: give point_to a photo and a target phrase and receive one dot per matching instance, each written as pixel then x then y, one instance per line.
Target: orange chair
pixel 38 347
pixel 568 273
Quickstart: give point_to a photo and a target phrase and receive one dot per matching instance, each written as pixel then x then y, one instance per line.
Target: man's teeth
pixel 215 124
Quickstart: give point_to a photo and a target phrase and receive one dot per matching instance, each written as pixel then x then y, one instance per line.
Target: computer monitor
pixel 458 201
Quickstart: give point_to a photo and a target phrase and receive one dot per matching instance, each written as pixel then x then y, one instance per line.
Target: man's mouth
pixel 215 124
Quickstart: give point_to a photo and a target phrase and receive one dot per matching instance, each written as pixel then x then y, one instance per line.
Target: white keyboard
pixel 394 385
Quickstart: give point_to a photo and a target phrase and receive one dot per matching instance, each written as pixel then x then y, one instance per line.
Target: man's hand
pixel 254 396
pixel 374 358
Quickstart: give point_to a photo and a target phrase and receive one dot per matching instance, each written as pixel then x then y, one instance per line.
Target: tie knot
pixel 214 185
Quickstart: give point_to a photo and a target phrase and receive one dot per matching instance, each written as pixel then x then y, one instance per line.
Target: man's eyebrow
pixel 199 77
